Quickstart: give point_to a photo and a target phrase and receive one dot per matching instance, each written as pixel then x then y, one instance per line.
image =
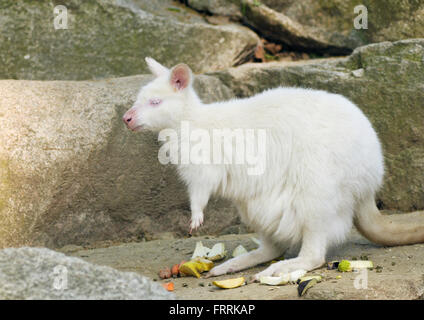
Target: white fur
pixel 323 159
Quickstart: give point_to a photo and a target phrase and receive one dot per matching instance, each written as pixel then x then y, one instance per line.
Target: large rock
pixel 326 26
pixel 388 20
pixel 41 274
pixel 70 172
pixel 111 38
pixel 386 80
pixel 281 28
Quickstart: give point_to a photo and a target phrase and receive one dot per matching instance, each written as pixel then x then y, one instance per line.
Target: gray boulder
pixel 388 20
pixel 325 26
pixel 280 28
pixel 110 38
pixel 43 274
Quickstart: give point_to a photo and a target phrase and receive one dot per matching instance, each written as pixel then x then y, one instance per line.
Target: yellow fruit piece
pixel 204 264
pixel 196 266
pixel 307 278
pixel 229 283
pixel 275 281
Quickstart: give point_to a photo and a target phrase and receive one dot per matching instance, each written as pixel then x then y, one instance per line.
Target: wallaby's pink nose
pixel 128 117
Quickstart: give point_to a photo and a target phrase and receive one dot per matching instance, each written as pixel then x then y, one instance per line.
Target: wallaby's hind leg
pixel 311 256
pixel 266 252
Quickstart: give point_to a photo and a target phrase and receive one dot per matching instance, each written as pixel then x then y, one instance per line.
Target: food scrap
pixel 348 266
pixel 200 251
pixel 216 253
pixel 230 283
pixel 195 267
pixel 307 278
pixel 332 265
pixel 175 270
pixel 165 273
pixel 168 286
pixel 275 281
pixel 306 285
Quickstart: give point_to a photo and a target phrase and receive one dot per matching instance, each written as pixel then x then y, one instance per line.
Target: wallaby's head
pixel 161 103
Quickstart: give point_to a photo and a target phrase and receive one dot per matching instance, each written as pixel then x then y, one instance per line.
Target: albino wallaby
pixel 324 165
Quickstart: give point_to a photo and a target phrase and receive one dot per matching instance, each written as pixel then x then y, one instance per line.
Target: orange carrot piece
pixel 168 286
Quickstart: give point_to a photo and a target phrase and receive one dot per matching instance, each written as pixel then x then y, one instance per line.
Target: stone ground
pixel 401 275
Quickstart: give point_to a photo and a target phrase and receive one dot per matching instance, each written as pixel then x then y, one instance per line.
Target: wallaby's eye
pixel 155 102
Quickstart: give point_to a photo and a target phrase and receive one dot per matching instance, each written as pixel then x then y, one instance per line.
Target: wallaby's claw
pixel 196 222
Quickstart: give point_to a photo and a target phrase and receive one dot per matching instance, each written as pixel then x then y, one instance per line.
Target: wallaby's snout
pixel 129 119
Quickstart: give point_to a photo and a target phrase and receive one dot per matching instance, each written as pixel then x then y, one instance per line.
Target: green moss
pixel 173 9
pixel 270 57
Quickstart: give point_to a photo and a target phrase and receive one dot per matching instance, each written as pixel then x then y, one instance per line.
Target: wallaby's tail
pixel 389 230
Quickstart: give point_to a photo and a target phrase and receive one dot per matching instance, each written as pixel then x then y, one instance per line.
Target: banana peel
pixel 307 282
pixel 195 267
pixel 305 286
pixel 307 278
pixel 230 283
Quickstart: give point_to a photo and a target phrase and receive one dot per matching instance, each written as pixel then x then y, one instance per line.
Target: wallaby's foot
pixel 196 221
pixel 224 268
pixel 290 265
pixel 311 256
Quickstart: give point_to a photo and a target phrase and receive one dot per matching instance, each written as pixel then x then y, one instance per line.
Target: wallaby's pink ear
pixel 156 68
pixel 181 76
